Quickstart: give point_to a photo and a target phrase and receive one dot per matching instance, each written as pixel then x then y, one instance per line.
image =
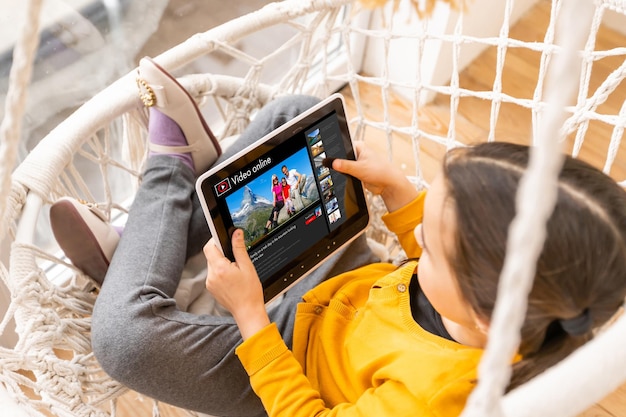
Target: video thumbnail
pixel 270 200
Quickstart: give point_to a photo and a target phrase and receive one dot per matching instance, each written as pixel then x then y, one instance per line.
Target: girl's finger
pixel 239 248
pixel 213 254
pixel 346 166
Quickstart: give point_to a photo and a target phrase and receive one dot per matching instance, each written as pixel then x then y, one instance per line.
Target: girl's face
pixel 436 237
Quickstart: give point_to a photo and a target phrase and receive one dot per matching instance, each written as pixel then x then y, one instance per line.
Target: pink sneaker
pixel 84 235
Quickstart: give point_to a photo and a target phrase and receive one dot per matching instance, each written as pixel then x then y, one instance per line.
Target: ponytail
pixel 557 345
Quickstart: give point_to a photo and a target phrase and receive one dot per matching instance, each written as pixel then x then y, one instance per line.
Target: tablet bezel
pixel 296 269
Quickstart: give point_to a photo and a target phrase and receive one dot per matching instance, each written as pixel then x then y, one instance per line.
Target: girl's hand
pixel 236 285
pixel 379 176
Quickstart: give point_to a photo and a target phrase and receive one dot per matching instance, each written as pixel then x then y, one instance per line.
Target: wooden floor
pixel 472 125
pixel 514 123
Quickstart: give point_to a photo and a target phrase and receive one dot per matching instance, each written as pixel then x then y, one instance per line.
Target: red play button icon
pixel 222 187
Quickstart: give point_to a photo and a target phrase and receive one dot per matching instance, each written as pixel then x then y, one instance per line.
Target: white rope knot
pixel 51 319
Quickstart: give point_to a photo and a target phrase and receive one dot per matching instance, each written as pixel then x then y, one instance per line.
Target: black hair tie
pixel 579 325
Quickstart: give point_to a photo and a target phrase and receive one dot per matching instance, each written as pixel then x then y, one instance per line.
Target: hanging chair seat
pixel 97 154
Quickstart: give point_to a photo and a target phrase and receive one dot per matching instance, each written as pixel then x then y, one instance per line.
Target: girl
pixel 278 203
pixel 406 341
pixel 287 196
pixel 356 337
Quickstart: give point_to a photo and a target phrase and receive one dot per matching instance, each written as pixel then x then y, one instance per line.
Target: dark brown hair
pixel 580 280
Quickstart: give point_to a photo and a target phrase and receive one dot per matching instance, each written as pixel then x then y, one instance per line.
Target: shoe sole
pixel 81 247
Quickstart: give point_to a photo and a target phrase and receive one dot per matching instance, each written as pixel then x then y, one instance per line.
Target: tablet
pixel 293 210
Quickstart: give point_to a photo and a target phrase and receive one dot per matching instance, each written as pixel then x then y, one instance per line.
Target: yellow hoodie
pixel 357 351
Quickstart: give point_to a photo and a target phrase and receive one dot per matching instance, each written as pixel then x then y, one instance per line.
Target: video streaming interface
pixel 286 200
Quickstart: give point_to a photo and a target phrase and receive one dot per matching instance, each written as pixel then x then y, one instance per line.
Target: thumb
pixel 239 248
pixel 347 166
pixel 344 166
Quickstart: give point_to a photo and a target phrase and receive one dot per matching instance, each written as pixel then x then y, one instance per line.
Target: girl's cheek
pixel 418 235
pixel 422 271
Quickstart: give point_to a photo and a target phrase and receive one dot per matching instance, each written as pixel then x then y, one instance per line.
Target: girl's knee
pixel 117 345
pixel 287 107
pixel 107 349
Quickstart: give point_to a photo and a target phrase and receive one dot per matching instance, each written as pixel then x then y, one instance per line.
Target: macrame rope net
pixel 51 369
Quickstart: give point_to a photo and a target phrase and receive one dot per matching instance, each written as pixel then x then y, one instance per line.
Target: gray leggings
pixel 141 338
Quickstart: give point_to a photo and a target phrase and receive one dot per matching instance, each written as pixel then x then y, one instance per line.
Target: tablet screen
pixel 293 210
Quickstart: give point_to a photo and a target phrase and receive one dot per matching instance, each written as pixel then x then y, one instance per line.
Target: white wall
pixel 483 19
